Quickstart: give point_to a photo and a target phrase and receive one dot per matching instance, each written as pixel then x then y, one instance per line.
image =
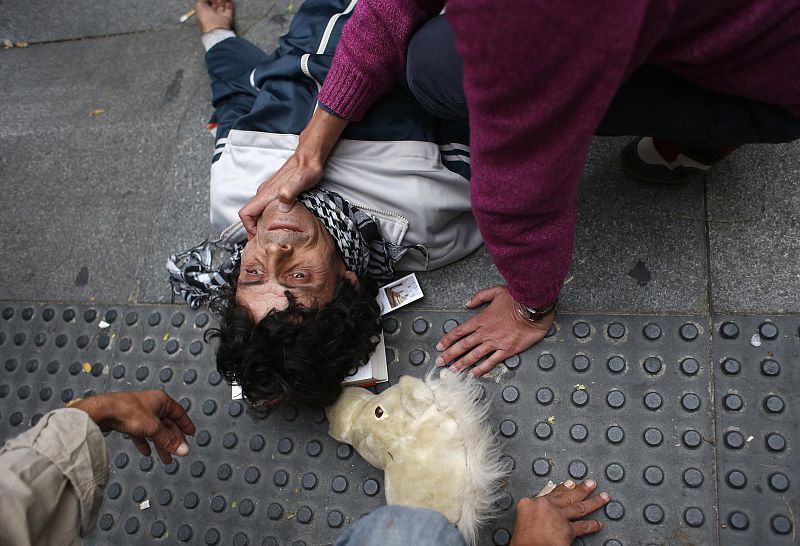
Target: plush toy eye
pixel 378 412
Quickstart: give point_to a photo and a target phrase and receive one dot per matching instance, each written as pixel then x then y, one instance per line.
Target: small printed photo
pixel 399 293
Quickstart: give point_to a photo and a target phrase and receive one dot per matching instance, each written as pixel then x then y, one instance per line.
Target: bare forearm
pixel 320 136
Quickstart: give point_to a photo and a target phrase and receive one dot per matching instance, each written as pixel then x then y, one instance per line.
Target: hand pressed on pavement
pixel 555 518
pixel 499 331
pixel 143 415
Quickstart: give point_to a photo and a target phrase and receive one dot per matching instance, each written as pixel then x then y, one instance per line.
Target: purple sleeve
pixel 538 80
pixel 371 53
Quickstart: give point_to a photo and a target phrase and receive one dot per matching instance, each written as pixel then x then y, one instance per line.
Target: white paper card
pixel 374 371
pixel 399 293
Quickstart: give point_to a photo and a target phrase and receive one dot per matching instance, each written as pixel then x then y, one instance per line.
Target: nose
pixel 277 252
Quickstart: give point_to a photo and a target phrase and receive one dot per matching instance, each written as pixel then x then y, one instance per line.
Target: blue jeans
pixel 401 526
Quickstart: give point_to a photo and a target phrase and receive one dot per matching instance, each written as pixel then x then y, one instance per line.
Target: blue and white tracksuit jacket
pixel 402 165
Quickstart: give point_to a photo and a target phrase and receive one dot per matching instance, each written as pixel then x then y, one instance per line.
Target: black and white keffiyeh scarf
pixel 357 235
pixel 198 273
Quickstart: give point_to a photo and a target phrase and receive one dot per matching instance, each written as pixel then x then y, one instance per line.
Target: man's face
pixel 290 251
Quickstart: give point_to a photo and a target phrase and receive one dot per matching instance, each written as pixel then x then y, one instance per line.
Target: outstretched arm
pixel 370 56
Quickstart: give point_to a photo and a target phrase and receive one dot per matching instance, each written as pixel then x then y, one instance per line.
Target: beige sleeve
pixel 52 479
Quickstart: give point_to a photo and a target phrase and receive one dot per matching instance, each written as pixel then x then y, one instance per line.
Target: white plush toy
pixel 432 440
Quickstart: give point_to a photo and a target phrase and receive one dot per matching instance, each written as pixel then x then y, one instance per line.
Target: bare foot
pixel 213 14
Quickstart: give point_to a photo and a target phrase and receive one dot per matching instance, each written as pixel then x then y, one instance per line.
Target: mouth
pixel 283 226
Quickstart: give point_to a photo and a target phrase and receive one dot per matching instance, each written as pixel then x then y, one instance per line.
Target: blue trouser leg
pixel 651 102
pixel 401 526
pixel 230 64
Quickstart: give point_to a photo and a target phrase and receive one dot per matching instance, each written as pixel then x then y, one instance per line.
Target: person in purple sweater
pixel 539 80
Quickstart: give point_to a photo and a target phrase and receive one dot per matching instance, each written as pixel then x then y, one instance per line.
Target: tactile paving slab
pixel 647 406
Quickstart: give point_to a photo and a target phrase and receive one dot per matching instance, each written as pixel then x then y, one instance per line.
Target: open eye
pixel 299 275
pixel 378 412
pixel 253 271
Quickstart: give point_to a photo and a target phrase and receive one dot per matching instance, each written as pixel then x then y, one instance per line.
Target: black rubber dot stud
pixel 615 472
pixel 203 438
pixel 339 484
pixel 652 365
pixel 197 469
pixel 148 345
pixel 285 446
pixel 172 467
pixel 775 442
pixel 736 479
pixel 614 510
pixel 738 521
pixel 652 331
pixel 731 366
pixel 653 401
pixel 209 407
pixel 131 318
pixel 729 330
pixel 448 325
pixel 732 402
pixel 616 364
pixel 580 397
pixel 781 525
pixel 257 443
pixel 778 482
pixel 615 399
pixel 280 478
pixel 165 497
pixel 146 464
pixel 734 439
pixel 510 394
pixel 139 493
pixel 114 490
pixel 581 363
pixel 501 537
pixel 196 347
pixel 235 408
pixel 653 475
pixel 201 320
pixel 121 460
pixel 544 396
pixel 505 501
pixel 214 378
pixel 541 467
pixel 106 522
pixel 189 376
pixel 154 319
pixel 768 330
pixel 579 433
pixel 274 511
pixel 693 477
pixel 178 319
pixel 770 367
pixel 689 332
pixel 335 519
pixel 314 448
pixel 158 529
pixel 416 357
pixel 309 481
pixel 653 514
pixel 653 437
pixel 420 326
pixel 304 515
pixel 694 517
pixel 224 472
pixel 371 487
pixel 184 533
pixel 616 330
pixel 344 451
pixel 581 330
pixel 690 366
pixel 543 431
pixel 390 325
pixel 218 503
pixel 690 402
pixel 615 434
pixel 508 428
pixel 190 501
pixel 774 404
pixel 211 537
pixel 246 507
pixel 48 314
pixel 512 362
pixel 577 469
pixel 132 525
pixel 546 361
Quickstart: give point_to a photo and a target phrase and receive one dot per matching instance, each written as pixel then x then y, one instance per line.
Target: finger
pixel 585 527
pixel 142 445
pixel 167 441
pixel 484 295
pixel 576 494
pixel 472 357
pixel 583 508
pixel 460 348
pixel 487 365
pixel 164 455
pixel 561 489
pixel 175 413
pixel 457 333
pixel 248 221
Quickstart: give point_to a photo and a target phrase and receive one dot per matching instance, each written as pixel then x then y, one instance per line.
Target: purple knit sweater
pixel 538 78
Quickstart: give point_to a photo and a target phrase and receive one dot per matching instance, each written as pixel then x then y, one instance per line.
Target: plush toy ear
pixel 415 395
pixel 344 410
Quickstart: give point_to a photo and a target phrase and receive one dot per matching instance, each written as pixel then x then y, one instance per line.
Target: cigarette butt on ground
pixel 186 16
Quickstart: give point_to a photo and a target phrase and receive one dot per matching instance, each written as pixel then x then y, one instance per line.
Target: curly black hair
pixel 299 354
